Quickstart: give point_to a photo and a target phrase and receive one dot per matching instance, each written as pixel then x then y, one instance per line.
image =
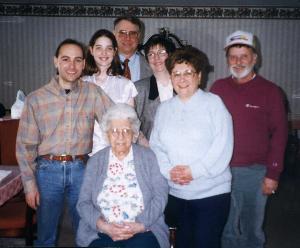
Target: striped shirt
pixel 54 122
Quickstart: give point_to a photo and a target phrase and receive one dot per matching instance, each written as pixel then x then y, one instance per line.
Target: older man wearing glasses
pixel 128 31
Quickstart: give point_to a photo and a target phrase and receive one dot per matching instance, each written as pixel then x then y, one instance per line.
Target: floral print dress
pixel 121 199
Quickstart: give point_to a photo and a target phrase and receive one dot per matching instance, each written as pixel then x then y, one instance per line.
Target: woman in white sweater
pixel 192 138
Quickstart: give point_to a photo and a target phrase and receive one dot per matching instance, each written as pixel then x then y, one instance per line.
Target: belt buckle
pixel 63 156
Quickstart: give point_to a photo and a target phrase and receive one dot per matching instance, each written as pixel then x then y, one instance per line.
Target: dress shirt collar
pixel 132 59
pixel 58 90
pixel 134 65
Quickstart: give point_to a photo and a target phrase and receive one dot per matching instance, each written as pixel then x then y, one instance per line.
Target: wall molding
pixel 81 10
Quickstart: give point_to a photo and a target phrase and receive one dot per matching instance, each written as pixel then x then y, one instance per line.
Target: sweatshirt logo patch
pixel 248 105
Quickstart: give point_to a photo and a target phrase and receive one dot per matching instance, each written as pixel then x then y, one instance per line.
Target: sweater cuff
pixel 272 174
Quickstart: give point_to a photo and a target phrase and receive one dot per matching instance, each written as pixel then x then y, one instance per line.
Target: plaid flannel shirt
pixel 54 122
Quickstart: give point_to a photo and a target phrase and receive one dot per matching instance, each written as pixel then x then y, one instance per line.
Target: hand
pixel 135 227
pixel 115 231
pixel 269 186
pixel 181 174
pixel 33 199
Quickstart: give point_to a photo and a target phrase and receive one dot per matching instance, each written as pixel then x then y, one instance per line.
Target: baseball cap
pixel 240 37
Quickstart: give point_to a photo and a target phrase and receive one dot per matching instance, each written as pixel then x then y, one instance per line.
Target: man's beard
pixel 245 72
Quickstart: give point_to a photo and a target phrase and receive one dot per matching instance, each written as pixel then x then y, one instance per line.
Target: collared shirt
pixel 134 66
pixel 54 122
pixel 165 91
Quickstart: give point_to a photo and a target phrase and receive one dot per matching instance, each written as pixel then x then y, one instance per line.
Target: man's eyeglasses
pixel 188 74
pixel 115 132
pixel 159 53
pixel 130 34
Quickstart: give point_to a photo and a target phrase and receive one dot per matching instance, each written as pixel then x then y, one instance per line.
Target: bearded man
pixel 260 136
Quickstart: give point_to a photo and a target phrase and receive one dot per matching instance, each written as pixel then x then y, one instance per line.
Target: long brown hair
pixel 91 67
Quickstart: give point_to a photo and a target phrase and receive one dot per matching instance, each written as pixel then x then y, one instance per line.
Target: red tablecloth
pixel 10 185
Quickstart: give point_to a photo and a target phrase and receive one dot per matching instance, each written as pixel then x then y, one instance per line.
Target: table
pixel 8 134
pixel 10 185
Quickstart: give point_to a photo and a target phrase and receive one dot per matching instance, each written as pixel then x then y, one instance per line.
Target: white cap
pixel 240 37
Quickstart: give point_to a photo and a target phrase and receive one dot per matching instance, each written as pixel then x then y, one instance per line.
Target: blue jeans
pixel 247 209
pixel 200 222
pixel 140 240
pixel 55 180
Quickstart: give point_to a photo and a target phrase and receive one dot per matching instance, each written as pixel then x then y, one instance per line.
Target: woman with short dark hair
pixel 157 88
pixel 192 138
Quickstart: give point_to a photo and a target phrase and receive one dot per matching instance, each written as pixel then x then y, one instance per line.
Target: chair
pixel 172 238
pixel 17 219
pixel 8 135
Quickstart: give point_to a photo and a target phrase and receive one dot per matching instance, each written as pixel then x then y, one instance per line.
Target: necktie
pixel 126 69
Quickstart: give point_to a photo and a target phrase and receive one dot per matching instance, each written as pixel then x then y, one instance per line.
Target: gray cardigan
pixel 153 185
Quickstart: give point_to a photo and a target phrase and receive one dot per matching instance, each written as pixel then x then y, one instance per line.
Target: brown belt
pixel 64 158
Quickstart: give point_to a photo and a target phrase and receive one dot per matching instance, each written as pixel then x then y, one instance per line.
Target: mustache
pixel 239 66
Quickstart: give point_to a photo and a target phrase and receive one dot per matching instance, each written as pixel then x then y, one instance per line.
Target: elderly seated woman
pixel 123 195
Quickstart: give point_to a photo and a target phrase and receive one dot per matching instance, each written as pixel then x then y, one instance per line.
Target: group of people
pixel 134 144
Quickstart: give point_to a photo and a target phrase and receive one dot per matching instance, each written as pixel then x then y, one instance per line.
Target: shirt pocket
pixel 85 123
